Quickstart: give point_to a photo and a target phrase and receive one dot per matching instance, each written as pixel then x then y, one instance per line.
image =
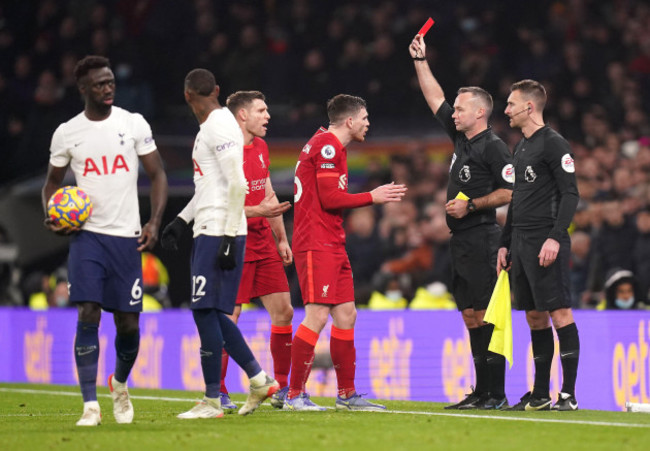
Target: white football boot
pixel 122 407
pixel 208 408
pixel 92 415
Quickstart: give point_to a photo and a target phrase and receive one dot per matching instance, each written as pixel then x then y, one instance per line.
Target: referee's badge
pixel 464 175
pixel 530 175
pixel 508 173
pixel 567 163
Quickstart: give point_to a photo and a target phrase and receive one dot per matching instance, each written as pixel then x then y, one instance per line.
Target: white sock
pixel 91 405
pixel 259 379
pixel 118 384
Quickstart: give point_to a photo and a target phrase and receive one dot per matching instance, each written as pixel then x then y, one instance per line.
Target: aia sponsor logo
pixel 197 168
pixel 104 166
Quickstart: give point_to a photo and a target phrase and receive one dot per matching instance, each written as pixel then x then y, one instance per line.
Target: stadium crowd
pixel 593 58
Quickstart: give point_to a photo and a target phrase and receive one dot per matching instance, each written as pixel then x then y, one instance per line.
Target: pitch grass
pixel 36 417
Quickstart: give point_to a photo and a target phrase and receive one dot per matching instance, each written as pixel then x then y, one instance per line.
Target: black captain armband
pixel 418 58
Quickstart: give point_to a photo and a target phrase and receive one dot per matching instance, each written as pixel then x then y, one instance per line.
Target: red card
pixel 426 26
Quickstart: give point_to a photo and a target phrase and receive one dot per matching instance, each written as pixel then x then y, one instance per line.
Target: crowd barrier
pixel 406 355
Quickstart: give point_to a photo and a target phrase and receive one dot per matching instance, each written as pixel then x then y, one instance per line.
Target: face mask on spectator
pixel 394 295
pixel 624 303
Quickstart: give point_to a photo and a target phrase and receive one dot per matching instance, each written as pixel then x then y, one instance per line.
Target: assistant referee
pixel 544 200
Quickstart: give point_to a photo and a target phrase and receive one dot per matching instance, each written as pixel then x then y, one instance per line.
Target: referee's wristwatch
pixel 471 208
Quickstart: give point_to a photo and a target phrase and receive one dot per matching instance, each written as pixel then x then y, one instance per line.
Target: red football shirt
pixel 321 194
pixel 259 242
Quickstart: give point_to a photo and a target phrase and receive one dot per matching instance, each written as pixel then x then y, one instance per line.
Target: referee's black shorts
pixel 535 287
pixel 473 265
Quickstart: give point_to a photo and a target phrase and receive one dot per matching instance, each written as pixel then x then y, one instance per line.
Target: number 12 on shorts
pixel 198 288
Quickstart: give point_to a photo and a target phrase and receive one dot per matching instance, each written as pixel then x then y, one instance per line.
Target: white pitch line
pixel 70 393
pixel 402 412
pixel 535 420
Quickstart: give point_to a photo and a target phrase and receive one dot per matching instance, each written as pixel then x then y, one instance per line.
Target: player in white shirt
pixel 219 244
pixel 103 146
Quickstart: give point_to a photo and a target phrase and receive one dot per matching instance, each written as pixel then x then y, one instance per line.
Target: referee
pixel 481 168
pixel 544 200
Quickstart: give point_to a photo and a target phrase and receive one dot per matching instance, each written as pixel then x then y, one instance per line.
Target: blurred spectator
pixel 389 297
pixel 433 297
pixel 54 291
pixel 579 264
pixel 155 283
pixel 9 293
pixel 621 291
pixel 364 250
pixel 614 243
pixel 642 255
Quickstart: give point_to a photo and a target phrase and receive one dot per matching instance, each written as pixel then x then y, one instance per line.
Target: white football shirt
pixel 220 185
pixel 103 156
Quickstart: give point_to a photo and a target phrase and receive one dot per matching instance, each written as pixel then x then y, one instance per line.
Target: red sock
pixel 224 368
pixel 281 353
pixel 302 357
pixel 344 357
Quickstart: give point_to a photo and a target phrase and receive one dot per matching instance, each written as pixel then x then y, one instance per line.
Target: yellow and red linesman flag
pixel 499 313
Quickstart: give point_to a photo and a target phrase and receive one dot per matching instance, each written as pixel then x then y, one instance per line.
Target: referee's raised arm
pixel 431 89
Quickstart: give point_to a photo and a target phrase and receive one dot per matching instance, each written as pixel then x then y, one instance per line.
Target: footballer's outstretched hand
pixel 172 233
pixel 52 226
pixel 227 251
pixel 270 207
pixel 388 193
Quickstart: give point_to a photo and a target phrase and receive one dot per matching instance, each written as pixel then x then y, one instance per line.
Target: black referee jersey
pixel 545 195
pixel 479 166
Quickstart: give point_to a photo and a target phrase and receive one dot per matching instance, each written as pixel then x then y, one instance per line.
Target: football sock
pixel 302 358
pixel 480 362
pixel 224 369
pixel 126 350
pixel 569 355
pixel 207 323
pixel 236 346
pixel 86 356
pixel 496 365
pixel 281 352
pixel 543 350
pixel 344 356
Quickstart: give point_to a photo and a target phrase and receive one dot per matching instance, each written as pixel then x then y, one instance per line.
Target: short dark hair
pixel 484 97
pixel 242 99
pixel 88 63
pixel 342 106
pixel 201 81
pixel 533 90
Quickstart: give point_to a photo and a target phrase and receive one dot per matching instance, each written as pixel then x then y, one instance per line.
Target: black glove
pixel 172 233
pixel 226 255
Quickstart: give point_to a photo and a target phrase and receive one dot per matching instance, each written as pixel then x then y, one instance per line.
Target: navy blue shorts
pixel 213 288
pixel 105 269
